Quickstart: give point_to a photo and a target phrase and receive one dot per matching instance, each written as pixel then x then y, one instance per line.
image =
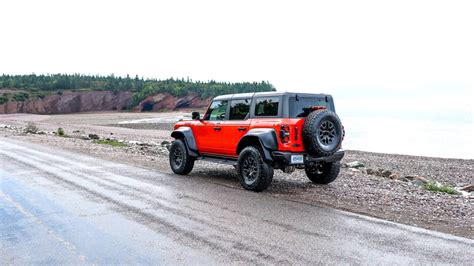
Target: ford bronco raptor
pixel 259 132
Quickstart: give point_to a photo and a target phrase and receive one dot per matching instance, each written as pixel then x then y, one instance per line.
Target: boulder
pixel 379 172
pixel 386 173
pixel 468 188
pixel 153 143
pixel 134 142
pixel 354 164
pixel 414 178
pixel 417 183
pixel 94 136
pixel 85 137
pixel 371 171
pixel 394 176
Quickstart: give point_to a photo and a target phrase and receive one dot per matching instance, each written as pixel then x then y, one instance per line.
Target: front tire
pixel 322 173
pixel 255 174
pixel 180 161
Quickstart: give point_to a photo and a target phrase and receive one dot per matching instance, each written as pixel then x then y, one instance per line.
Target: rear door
pixel 236 126
pixel 208 133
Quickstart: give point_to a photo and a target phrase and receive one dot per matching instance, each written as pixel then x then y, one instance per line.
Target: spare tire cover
pixel 322 133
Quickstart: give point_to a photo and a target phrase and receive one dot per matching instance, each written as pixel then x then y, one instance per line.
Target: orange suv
pixel 260 132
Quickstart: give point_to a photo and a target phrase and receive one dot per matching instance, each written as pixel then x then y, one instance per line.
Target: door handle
pixel 217 128
pixel 241 128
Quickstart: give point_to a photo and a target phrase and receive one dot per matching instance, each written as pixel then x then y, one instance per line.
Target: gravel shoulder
pixel 354 190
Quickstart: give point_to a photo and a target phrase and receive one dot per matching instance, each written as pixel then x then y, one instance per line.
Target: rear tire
pixel 322 173
pixel 180 161
pixel 255 174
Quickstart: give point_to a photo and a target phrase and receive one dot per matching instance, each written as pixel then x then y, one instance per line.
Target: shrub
pixel 61 132
pixel 31 128
pixel 3 99
pixel 20 96
pixel 40 95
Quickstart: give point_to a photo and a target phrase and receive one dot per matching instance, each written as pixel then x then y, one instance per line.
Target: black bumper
pixel 284 157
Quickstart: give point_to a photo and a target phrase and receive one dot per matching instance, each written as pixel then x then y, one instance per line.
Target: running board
pixel 220 160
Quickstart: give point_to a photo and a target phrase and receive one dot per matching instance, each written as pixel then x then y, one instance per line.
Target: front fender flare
pixel 186 133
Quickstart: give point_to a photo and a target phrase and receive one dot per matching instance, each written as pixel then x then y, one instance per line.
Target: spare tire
pixel 322 133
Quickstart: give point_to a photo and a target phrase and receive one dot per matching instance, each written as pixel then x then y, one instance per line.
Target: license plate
pixel 297 159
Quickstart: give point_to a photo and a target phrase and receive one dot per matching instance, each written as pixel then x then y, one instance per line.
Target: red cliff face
pixel 168 102
pixel 94 101
pixel 71 102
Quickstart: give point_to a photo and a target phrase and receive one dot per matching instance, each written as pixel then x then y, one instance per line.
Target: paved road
pixel 62 207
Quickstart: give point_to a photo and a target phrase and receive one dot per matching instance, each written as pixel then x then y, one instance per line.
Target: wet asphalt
pixel 59 207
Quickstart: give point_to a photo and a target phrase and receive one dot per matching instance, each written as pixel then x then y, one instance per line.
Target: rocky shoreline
pixel 387 186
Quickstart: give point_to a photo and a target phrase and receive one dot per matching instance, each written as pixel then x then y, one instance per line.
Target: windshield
pixel 297 108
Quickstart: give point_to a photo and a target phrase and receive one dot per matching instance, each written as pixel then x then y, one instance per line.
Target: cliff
pixel 167 102
pixel 93 101
pixel 70 102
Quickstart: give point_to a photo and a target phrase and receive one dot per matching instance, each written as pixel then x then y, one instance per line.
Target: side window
pixel 216 111
pixel 266 106
pixel 239 109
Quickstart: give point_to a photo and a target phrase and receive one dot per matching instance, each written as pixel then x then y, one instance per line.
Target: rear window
pixel 267 106
pixel 297 108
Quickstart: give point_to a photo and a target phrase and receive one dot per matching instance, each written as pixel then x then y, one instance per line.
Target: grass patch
pixel 111 142
pixel 437 187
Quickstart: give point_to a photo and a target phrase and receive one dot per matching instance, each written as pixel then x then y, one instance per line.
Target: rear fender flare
pixel 186 133
pixel 265 136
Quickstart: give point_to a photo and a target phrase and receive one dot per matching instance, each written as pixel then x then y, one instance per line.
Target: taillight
pixel 318 107
pixel 284 133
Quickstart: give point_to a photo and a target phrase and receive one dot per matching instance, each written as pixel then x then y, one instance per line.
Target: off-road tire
pixel 321 141
pixel 263 172
pixel 186 164
pixel 322 173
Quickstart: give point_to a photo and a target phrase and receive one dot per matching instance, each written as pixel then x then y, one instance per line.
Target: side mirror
pixel 195 115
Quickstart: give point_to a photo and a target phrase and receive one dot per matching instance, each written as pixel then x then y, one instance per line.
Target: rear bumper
pixel 284 157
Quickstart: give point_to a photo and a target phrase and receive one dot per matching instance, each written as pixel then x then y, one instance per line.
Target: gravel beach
pixel 389 198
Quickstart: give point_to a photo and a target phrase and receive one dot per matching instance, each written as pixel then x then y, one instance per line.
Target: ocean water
pixel 413 137
pixel 426 123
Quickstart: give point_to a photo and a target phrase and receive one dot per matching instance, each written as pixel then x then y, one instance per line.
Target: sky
pixel 390 50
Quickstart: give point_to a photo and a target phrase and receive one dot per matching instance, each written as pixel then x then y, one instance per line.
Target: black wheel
pixel 255 174
pixel 322 173
pixel 322 133
pixel 180 161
